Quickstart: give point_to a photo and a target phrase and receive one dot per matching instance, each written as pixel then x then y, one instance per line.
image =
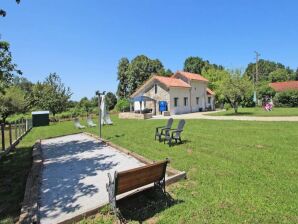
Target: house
pixel 181 93
pixel 284 86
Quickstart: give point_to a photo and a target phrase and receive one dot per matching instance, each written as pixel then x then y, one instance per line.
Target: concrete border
pixel 29 211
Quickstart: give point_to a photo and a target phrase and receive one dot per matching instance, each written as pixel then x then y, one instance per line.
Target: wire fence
pixel 12 133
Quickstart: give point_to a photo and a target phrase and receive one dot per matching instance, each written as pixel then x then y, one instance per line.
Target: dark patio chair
pixel 160 131
pixel 175 134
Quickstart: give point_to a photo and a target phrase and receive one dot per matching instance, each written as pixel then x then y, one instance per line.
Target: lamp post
pixel 98 93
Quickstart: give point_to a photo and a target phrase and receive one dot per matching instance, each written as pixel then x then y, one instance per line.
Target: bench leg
pixel 111 192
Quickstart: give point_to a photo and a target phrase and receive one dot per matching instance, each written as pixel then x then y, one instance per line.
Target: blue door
pixel 163 106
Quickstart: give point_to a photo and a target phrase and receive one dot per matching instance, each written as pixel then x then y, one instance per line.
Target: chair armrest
pixel 176 131
pixel 159 128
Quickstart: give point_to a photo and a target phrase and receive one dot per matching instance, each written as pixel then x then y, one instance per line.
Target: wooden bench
pixel 132 179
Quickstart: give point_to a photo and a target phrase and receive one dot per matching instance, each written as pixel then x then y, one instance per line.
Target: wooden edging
pixel 29 211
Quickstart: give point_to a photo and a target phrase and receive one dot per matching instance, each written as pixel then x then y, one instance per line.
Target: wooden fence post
pixel 2 134
pixel 10 135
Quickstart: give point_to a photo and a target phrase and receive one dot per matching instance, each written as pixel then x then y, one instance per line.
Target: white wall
pixel 198 90
pixel 161 95
pixel 180 93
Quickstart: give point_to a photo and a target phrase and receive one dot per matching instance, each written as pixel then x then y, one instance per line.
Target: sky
pixel 83 41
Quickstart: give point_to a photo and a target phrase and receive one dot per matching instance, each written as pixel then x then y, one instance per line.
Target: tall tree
pixel 197 65
pixel 279 75
pixel 140 69
pixel 265 67
pixel 110 100
pixel 13 101
pixel 51 94
pixel 7 68
pixel 194 65
pixel 236 89
pixel 122 90
pixel 3 12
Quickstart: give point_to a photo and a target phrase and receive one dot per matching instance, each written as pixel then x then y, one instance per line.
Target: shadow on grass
pixel 115 136
pixel 14 169
pixel 239 114
pixel 144 205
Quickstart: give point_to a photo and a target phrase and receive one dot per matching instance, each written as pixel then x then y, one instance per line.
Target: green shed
pixel 40 118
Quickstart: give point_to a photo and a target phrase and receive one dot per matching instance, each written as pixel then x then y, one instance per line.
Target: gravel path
pixel 74 175
pixel 204 115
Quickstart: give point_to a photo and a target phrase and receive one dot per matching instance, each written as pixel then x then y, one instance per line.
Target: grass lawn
pixel 238 171
pixel 260 112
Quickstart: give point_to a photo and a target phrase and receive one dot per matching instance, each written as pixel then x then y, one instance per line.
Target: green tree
pixel 23 83
pixel 264 90
pixel 236 89
pixel 3 12
pixel 86 105
pixel 194 65
pixel 110 100
pixel 265 67
pixel 122 77
pixel 7 68
pixel 122 105
pixel 140 69
pixel 13 101
pixel 296 74
pixel 166 73
pixel 51 95
pixel 216 79
pixel 279 75
pixel 197 65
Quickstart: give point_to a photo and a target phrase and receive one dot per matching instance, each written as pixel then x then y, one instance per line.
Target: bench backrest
pixel 131 179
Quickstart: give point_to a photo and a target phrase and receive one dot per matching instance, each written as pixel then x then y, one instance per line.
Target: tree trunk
pixel 235 106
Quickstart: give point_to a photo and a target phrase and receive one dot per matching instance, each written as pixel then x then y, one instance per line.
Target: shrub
pixel 227 106
pixel 122 105
pixel 286 99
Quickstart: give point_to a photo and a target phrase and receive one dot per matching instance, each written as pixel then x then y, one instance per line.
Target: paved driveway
pixel 204 115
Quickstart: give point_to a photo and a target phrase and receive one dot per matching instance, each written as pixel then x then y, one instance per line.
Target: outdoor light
pixel 98 93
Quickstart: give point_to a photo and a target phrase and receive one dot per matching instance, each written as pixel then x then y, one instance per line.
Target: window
pixel 209 100
pixel 176 102
pixel 185 101
pixel 197 100
pixel 155 88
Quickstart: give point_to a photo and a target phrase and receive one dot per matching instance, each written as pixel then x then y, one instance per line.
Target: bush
pixel 123 105
pixel 227 106
pixel 286 99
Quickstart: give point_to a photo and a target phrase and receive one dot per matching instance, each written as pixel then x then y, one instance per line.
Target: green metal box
pixel 40 118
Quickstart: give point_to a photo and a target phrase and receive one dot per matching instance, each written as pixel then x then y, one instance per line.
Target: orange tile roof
pixel 210 92
pixel 192 76
pixel 283 86
pixel 172 82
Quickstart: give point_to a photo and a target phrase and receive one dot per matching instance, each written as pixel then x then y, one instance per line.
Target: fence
pixel 12 133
